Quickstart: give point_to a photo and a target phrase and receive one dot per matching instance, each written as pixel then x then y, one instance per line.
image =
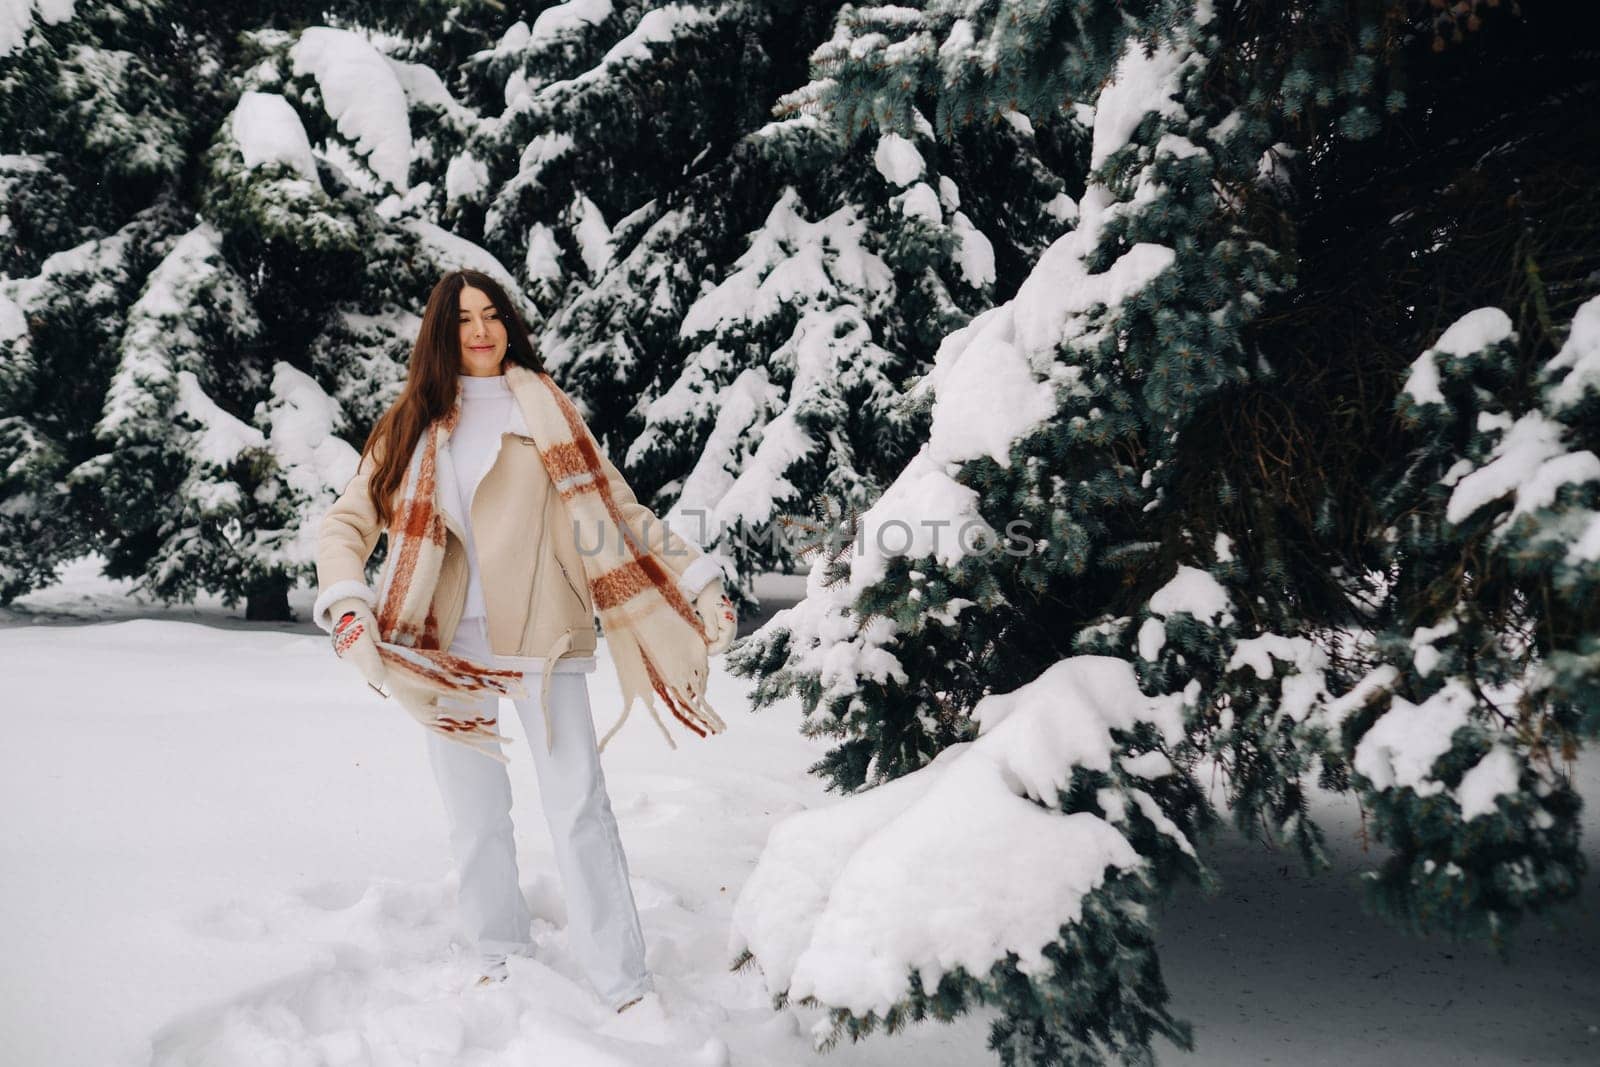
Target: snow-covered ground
pixel 217 848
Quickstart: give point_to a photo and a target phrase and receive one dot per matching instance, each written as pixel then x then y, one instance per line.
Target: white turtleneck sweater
pixel 485 411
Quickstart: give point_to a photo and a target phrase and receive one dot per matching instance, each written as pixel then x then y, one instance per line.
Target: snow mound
pixel 829 911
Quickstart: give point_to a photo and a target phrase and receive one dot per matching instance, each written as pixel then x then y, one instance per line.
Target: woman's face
pixel 483 335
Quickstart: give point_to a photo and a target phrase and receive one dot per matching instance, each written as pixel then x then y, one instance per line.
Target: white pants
pixel 602 920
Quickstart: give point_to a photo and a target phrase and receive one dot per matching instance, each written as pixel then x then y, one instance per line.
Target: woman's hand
pixel 355 639
pixel 716 617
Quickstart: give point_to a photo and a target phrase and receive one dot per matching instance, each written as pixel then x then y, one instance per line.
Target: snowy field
pixel 218 849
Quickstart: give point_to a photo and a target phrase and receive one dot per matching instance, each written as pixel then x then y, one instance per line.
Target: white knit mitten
pixel 717 616
pixel 355 639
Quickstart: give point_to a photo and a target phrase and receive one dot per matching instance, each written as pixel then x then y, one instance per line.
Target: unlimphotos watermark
pixel 791 536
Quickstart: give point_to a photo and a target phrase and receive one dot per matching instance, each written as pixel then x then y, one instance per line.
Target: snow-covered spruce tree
pixel 1134 428
pixel 710 272
pixel 86 138
pixel 1040 435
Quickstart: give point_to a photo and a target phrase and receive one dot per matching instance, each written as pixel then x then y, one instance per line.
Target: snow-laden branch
pixel 830 911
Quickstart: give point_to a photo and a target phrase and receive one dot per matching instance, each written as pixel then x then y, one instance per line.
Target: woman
pixel 486 480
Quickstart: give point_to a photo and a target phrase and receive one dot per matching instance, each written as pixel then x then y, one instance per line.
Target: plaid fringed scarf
pixel 408 633
pixel 657 641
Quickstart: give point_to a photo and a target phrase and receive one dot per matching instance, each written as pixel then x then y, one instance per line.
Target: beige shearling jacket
pixel 536 596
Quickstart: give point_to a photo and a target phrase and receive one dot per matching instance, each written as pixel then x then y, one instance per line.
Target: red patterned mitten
pixel 355 639
pixel 717 617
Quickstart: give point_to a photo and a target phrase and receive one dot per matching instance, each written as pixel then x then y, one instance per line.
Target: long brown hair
pixel 430 389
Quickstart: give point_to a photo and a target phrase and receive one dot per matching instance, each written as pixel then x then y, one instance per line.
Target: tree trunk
pixel 269 602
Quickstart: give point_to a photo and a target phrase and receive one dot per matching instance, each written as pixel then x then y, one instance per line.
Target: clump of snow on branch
pixel 1400 749
pixel 897 159
pixel 16 19
pixel 1530 462
pixel 829 642
pixel 1473 332
pixel 363 96
pixel 1142 84
pixel 315 463
pixel 947 523
pixel 1577 365
pixel 658 25
pixel 1304 688
pixel 159 339
pixel 561 21
pixel 268 131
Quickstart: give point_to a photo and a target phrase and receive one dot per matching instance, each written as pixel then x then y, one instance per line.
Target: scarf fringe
pixel 645 679
pixel 687 703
